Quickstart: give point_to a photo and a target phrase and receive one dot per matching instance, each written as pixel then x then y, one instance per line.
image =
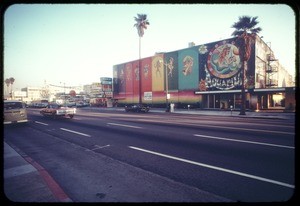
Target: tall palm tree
pixel 141 25
pixel 12 80
pixel 7 82
pixel 246 30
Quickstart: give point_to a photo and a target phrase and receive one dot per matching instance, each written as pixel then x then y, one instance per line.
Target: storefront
pixel 257 99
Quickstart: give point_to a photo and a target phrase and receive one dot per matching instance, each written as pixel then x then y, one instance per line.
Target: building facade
pixel 206 76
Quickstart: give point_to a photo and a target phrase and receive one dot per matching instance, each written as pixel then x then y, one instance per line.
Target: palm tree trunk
pixel 140 73
pixel 243 112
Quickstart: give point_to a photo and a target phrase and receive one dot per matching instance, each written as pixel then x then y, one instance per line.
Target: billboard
pixel 106 80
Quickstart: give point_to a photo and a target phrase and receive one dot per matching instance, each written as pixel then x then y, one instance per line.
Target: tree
pixel 246 30
pixel 9 82
pixel 141 25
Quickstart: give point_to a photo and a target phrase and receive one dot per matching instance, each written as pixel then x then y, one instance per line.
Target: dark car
pixel 137 108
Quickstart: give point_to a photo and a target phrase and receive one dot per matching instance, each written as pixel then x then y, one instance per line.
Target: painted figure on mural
pixel 128 72
pixel 170 67
pixel 158 66
pixel 224 61
pixel 122 76
pixel 188 62
pixel 146 71
pixel 136 73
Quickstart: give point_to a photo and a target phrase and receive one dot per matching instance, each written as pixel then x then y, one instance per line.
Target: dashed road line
pixel 41 123
pixel 75 132
pixel 244 141
pixel 124 125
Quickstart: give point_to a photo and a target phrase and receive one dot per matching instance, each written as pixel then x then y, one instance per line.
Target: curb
pixel 57 191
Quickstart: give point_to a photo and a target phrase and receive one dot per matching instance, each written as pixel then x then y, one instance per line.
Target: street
pixel 114 156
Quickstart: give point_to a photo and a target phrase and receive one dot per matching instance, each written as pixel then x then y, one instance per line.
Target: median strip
pixel 215 168
pixel 244 141
pixel 75 132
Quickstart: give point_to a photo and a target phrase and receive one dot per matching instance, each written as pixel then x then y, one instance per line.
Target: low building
pixel 207 76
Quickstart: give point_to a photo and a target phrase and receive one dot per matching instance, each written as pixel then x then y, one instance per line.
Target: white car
pixel 56 110
pixel 14 112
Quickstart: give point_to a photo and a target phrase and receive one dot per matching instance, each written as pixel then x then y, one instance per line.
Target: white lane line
pixel 41 123
pixel 87 135
pixel 100 147
pixel 244 141
pixel 124 125
pixel 179 122
pixel 216 168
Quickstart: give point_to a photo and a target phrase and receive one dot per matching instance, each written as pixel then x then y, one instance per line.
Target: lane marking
pixel 124 125
pixel 41 123
pixel 216 168
pixel 100 147
pixel 179 122
pixel 72 131
pixel 244 141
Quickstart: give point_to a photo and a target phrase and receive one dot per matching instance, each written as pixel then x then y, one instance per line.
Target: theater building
pixel 206 76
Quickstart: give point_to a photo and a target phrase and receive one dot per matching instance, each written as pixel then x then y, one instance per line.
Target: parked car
pixel 137 108
pixel 56 110
pixel 14 112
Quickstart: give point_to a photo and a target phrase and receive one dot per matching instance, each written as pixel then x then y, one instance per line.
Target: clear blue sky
pixel 77 44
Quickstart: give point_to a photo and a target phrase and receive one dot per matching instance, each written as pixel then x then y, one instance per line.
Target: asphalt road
pixel 115 156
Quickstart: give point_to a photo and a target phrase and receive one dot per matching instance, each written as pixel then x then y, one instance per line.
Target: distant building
pixel 33 93
pixel 206 76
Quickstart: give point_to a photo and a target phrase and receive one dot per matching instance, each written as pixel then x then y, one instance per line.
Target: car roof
pixel 12 101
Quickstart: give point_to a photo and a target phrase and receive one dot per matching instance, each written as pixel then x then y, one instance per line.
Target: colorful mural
pixel 146 75
pixel 208 67
pixel 157 73
pixel 220 66
pixel 188 72
pixel 171 67
pixel 129 82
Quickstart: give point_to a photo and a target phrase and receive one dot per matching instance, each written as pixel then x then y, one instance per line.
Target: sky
pixel 76 44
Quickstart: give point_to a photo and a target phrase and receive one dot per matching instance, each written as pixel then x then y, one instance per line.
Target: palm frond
pixel 141 23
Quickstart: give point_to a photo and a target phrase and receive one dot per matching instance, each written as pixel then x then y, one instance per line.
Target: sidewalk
pixel 26 181
pixel 218 112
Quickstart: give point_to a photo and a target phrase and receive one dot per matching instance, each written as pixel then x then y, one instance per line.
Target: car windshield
pixel 13 105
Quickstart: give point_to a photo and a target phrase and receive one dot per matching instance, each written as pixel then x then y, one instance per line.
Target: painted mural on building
pixel 220 65
pixel 208 67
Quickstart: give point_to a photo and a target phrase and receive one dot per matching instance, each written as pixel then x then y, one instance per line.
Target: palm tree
pixel 141 25
pixel 12 80
pixel 246 30
pixel 7 82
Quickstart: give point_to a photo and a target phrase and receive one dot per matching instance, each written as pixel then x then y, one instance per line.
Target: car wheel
pixel 71 116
